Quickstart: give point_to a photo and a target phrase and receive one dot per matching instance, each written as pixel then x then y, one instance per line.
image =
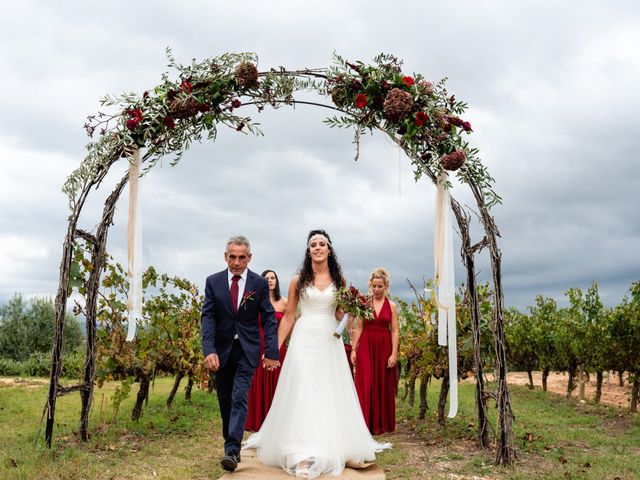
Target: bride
pixel 315 424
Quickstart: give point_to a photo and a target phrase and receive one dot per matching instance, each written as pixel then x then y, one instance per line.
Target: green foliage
pixel 38 364
pixel 625 332
pixel 26 328
pixel 10 368
pixel 545 319
pixel 419 347
pixel 584 332
pixel 520 333
pixel 168 339
pixel 583 337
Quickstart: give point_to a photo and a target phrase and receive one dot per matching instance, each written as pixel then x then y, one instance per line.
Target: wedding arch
pixel 421 117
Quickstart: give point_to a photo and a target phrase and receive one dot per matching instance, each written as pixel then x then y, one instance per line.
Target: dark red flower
pixel 397 104
pixel 361 100
pixel 203 107
pixel 135 117
pixel 169 122
pixel 132 123
pixel 236 103
pixel 421 118
pixel 240 126
pixel 186 86
pixel 353 67
pixel 136 113
pixel 453 160
pixel 455 121
pixel 458 122
pixel 408 81
pixel 145 94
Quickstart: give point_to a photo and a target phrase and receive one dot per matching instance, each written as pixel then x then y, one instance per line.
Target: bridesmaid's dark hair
pixel 276 291
pixel 305 274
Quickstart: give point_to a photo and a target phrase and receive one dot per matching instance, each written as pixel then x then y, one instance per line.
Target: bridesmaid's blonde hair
pixel 382 274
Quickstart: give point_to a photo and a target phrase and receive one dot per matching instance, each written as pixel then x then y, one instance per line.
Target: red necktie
pixel 233 291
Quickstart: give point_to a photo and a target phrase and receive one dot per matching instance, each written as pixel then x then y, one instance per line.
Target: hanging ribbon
pixel 445 286
pixel 134 248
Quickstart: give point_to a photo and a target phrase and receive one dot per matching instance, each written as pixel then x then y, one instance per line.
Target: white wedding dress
pixel 315 424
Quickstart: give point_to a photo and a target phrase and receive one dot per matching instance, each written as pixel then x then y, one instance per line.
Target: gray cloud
pixel 553 108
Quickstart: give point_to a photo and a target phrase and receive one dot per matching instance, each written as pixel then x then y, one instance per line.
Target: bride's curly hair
pixel 305 273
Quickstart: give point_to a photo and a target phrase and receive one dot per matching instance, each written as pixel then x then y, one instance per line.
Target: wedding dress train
pixel 315 424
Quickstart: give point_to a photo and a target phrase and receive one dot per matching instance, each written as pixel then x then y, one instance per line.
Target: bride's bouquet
pixel 353 303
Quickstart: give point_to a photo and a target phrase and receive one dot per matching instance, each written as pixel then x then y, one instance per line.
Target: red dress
pixel 375 383
pixel 263 387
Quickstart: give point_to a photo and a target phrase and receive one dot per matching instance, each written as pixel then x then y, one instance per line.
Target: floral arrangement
pixel 408 106
pixel 354 303
pixel 248 297
pixel 420 116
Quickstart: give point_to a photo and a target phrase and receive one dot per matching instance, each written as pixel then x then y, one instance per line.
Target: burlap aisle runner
pixel 251 469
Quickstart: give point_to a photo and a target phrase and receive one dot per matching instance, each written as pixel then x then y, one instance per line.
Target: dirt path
pixel 612 393
pixel 22 382
pixel 423 458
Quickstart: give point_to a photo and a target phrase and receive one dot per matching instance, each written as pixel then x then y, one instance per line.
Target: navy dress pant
pixel 232 383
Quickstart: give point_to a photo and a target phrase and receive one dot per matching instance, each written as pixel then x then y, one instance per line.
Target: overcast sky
pixel 553 95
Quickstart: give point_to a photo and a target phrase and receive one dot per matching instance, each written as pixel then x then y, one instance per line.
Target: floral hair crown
pixel 318 236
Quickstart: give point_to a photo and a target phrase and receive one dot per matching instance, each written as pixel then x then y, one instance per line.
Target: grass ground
pixel 556 439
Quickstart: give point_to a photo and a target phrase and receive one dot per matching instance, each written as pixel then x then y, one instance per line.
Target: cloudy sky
pixel 553 96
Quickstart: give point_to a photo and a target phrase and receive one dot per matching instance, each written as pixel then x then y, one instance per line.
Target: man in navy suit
pixel 233 300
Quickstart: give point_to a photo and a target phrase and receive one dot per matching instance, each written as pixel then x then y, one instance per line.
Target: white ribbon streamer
pixel 445 287
pixel 134 248
pixel 341 326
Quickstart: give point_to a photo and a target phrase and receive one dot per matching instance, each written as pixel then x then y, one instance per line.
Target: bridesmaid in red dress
pixel 375 355
pixel 264 381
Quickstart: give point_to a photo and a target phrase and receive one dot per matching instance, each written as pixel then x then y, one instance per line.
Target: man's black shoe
pixel 230 462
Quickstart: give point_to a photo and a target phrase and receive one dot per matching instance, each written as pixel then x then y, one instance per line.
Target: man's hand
pixel 270 364
pixel 212 362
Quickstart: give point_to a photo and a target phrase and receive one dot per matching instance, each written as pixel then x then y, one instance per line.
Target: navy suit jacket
pixel 220 325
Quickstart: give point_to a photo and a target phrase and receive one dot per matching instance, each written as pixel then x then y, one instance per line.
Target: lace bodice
pixel 314 302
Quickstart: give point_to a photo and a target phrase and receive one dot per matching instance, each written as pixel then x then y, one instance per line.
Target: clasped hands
pixel 270 364
pixel 212 362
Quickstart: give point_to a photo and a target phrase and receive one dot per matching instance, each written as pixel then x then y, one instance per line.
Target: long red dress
pixel 263 387
pixel 375 383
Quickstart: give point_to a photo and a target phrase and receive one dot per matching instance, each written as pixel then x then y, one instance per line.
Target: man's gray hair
pixel 239 240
